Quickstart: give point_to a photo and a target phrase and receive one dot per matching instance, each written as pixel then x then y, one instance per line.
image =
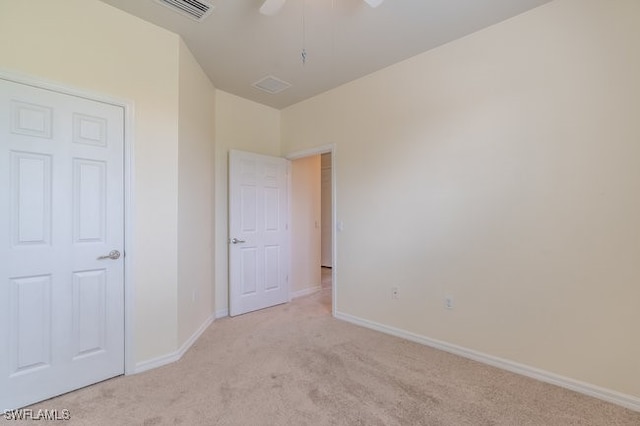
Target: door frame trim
pixel 324 149
pixel 129 210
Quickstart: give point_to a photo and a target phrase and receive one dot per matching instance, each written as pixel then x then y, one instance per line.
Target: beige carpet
pixel 296 365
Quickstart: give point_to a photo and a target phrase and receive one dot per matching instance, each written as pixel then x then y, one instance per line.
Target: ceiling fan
pixel 272 7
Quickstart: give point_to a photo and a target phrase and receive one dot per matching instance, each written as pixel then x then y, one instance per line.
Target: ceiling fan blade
pixel 271 7
pixel 374 3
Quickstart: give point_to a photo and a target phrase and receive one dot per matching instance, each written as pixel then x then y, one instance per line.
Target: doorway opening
pixel 326 226
pixel 313 207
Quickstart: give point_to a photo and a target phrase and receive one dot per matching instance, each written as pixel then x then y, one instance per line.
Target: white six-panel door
pixel 61 208
pixel 258 232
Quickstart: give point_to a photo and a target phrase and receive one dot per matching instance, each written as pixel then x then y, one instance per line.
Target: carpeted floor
pixel 295 365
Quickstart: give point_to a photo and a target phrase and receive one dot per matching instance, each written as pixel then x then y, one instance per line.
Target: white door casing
pixel 62 207
pixel 258 232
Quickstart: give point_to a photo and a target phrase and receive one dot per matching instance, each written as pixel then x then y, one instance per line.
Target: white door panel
pixel 61 207
pixel 258 231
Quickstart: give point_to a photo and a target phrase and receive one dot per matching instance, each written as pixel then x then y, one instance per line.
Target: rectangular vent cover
pixel 272 85
pixel 194 9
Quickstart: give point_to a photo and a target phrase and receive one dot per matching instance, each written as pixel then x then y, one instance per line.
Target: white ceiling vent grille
pixel 272 85
pixel 194 9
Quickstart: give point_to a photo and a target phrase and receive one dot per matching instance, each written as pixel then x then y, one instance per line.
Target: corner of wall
pixel 196 214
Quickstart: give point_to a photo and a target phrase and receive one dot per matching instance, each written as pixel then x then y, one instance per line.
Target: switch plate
pixel 448 302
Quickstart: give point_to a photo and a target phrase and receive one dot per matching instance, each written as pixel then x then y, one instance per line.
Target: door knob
pixel 237 241
pixel 113 255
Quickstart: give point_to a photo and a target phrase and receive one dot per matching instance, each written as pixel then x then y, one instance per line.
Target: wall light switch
pixel 448 302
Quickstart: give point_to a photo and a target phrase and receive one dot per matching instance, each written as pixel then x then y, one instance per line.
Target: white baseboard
pixel 222 313
pixel 174 356
pixel 604 394
pixel 305 292
pixel 160 361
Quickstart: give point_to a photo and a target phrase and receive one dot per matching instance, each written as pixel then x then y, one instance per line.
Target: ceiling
pixel 344 39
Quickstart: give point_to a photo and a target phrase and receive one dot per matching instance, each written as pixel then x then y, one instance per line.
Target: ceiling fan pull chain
pixel 303 54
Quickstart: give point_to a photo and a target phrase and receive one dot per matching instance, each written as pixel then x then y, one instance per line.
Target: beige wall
pixel 500 169
pixel 195 197
pixel 305 224
pixel 89 45
pixel 247 126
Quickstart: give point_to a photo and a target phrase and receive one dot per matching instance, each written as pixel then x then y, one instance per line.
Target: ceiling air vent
pixel 194 9
pixel 272 85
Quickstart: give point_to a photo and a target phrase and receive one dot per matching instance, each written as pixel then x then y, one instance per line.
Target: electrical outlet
pixel 448 302
pixel 395 292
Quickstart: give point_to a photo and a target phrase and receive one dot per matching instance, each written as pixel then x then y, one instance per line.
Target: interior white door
pixel 61 209
pixel 258 232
